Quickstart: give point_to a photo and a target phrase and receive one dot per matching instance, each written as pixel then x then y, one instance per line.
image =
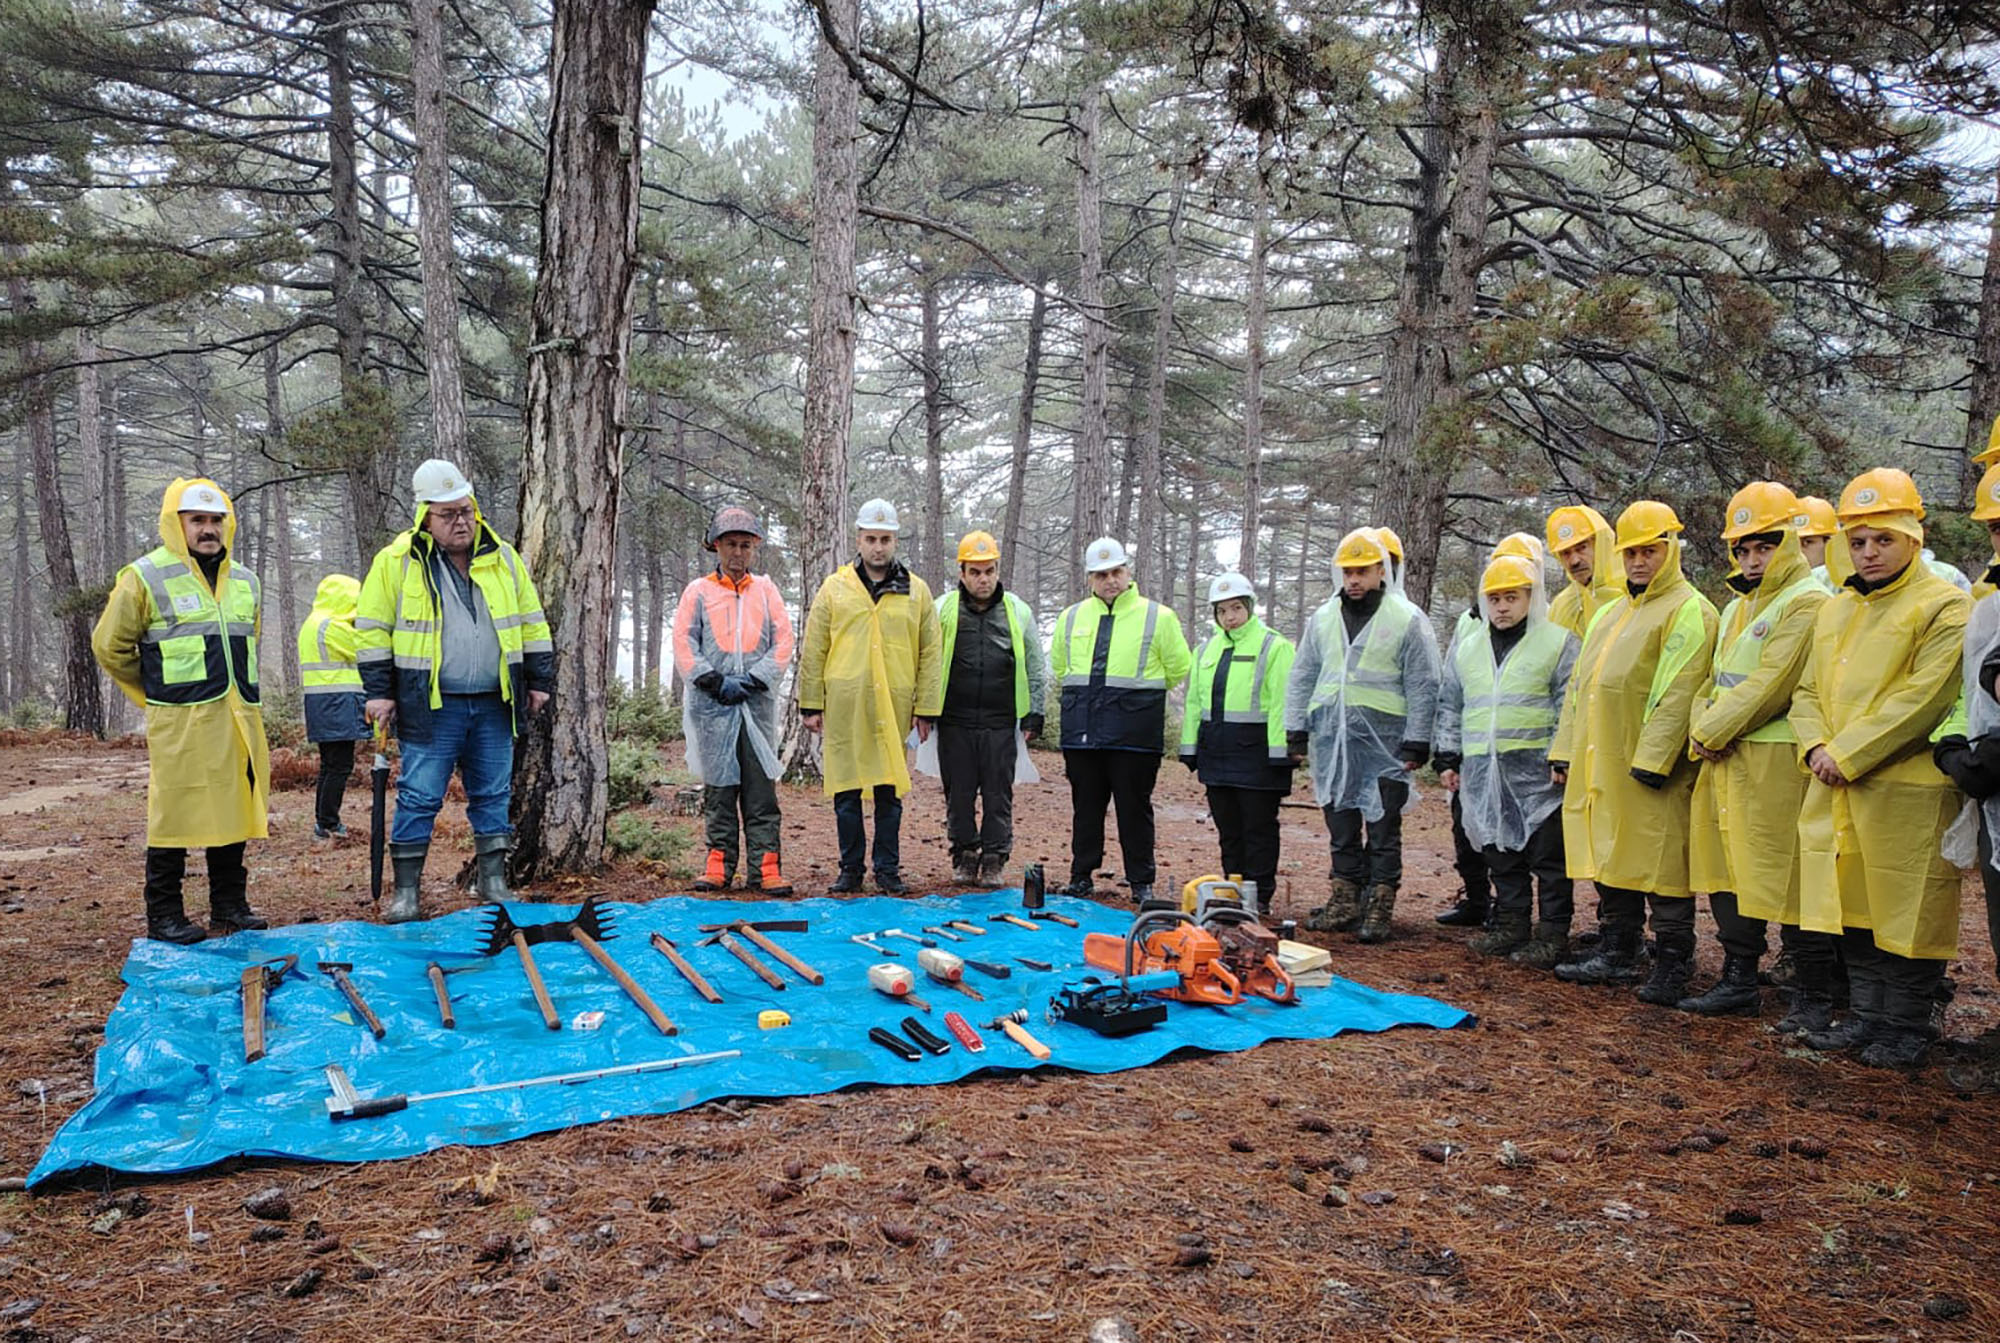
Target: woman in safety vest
pixel 331 680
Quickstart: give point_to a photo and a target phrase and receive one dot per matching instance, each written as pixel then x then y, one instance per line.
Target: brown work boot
pixel 1375 921
pixel 965 869
pixel 1547 949
pixel 1508 935
pixel 714 877
pixel 992 871
pixel 1341 911
pixel 771 879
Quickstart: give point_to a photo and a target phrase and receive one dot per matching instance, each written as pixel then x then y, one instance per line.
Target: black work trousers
pixel 976 765
pixel 1892 990
pixel 1246 827
pixel 752 802
pixel 228 878
pixel 1989 881
pixel 1099 779
pixel 1540 864
pixel 1469 860
pixel 853 835
pixel 336 764
pixel 1673 916
pixel 1369 853
pixel 1741 935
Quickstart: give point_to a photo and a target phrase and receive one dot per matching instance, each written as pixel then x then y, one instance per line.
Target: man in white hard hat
pixel 179 637
pixel 868 668
pixel 455 654
pixel 1116 656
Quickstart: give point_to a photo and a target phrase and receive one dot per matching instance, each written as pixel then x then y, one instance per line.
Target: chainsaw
pixel 1167 939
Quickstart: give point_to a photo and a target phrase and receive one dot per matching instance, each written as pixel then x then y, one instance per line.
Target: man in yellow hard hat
pixel 995 681
pixel 1986 509
pixel 1883 677
pixel 868 670
pixel 1621 754
pixel 179 637
pixel 1581 541
pixel 1360 706
pixel 1500 698
pixel 1743 849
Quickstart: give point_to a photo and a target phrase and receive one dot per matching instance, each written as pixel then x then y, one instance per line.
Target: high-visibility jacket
pixel 398 626
pixel 1745 808
pixel 1497 722
pixel 1234 724
pixel 1030 666
pixel 187 653
pixel 1115 665
pixel 1360 701
pixel 869 663
pixel 328 673
pixel 1882 674
pixel 1644 661
pixel 731 628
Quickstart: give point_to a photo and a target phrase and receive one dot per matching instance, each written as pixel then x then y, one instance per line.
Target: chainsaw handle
pixel 373 1109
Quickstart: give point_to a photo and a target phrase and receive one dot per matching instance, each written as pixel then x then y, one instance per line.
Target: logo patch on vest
pixel 1760 629
pixel 186 603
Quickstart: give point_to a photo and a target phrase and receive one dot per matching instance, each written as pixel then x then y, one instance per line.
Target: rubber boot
pixel 489 856
pixel 1734 994
pixel 1547 949
pixel 715 876
pixel 166 916
pixel 771 878
pixel 1467 913
pixel 408 860
pixel 1341 911
pixel 1615 960
pixel 1510 932
pixel 1375 920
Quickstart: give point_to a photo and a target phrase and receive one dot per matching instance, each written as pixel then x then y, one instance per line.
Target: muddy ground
pixel 1575 1166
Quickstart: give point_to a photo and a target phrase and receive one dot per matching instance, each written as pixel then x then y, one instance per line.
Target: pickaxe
pixel 338 971
pixel 753 931
pixel 666 947
pixel 587 927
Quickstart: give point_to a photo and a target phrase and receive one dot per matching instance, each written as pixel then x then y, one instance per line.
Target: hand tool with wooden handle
pixel 785 958
pixel 435 973
pixel 895 981
pixel 502 932
pixel 965 927
pixel 625 981
pixel 945 933
pixel 693 976
pixel 1014 919
pixel 1011 1023
pixel 743 954
pixel 1063 919
pixel 259 982
pixel 338 970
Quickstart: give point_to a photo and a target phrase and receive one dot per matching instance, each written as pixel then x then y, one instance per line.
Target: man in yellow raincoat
pixel 328 674
pixel 869 667
pixel 179 637
pixel 1882 678
pixel 1743 848
pixel 1581 541
pixel 1621 754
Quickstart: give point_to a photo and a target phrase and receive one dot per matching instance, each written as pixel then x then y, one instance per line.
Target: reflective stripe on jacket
pixel 1115 665
pixel 196 643
pixel 1513 709
pixel 1234 725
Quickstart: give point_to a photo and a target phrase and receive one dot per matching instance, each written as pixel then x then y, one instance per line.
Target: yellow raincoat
pixel 871 667
pixel 1573 607
pixel 1630 698
pixel 1745 833
pixel 1883 673
pixel 209 764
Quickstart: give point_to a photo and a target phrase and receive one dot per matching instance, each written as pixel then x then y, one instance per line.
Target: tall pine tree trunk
pixel 1983 395
pixel 1152 538
pixel 579 346
pixel 435 252
pixel 1024 435
pixel 1253 366
pixel 1090 481
pixel 935 548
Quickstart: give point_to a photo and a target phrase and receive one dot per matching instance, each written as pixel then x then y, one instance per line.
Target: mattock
pixel 754 930
pixel 586 928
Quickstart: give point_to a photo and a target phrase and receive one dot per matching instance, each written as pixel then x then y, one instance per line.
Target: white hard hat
pixel 1106 552
pixel 1231 585
pixel 439 482
pixel 877 515
pixel 202 497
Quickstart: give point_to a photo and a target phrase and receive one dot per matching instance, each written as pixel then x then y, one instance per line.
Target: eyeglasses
pixel 452 517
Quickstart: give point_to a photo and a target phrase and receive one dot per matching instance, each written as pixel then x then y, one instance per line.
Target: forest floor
pixel 1575 1165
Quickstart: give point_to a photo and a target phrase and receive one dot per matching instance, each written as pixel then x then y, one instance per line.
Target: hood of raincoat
pixel 1605 572
pixel 338 595
pixel 1787 565
pixel 1670 582
pixel 171 535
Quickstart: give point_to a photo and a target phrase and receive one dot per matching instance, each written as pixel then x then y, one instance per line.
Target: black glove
pixel 754 683
pixel 1973 766
pixel 1296 744
pixel 1415 752
pixel 1653 781
pixel 1033 724
pixel 1445 760
pixel 709 683
pixel 735 689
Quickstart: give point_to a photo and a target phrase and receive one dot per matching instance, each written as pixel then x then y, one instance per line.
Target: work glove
pixel 1416 752
pixel 1653 781
pixel 1295 746
pixel 1033 724
pixel 709 683
pixel 735 689
pixel 1974 766
pixel 1445 760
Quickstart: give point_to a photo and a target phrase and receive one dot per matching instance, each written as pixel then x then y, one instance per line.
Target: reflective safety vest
pixel 1235 719
pixel 1509 708
pixel 399 620
pixel 322 669
pixel 1018 618
pixel 1737 658
pixel 1115 666
pixel 1369 672
pixel 198 641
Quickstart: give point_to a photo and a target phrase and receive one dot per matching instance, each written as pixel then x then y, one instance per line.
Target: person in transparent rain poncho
pixel 1498 704
pixel 1359 707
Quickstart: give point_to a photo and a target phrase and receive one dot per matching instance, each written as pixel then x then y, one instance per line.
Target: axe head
pixel 499 932
pixel 332 967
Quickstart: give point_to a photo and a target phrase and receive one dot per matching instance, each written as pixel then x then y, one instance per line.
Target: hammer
pixel 339 969
pixel 1014 919
pixel 1010 1022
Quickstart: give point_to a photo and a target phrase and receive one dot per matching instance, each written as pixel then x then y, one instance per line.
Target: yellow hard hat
pixel 1992 452
pixel 1760 506
pixel 1359 549
pixel 1986 499
pixel 1391 542
pixel 1644 522
pixel 977 547
pixel 1572 525
pixel 1506 573
pixel 1815 517
pixel 1521 546
pixel 1883 490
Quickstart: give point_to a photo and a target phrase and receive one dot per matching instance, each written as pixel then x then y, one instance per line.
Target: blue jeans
pixel 853 837
pixel 473 734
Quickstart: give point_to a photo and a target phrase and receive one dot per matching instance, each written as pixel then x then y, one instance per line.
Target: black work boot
pixel 1859 1028
pixel 489 856
pixel 1734 994
pixel 1910 1022
pixel 408 859
pixel 965 868
pixel 992 870
pixel 229 891
pixel 1615 960
pixel 1469 912
pixel 1812 999
pixel 1510 932
pixel 848 880
pixel 166 917
pixel 1668 983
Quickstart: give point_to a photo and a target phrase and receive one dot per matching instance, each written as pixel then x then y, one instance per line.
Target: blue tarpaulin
pixel 173 1092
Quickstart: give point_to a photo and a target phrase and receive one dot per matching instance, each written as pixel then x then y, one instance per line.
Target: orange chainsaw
pixel 1167 939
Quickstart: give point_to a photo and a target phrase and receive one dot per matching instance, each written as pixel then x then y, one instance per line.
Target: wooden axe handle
pixel 743 954
pixel 445 1018
pixel 625 981
pixel 528 967
pixel 253 1014
pixel 688 972
pixel 791 962
pixel 1019 1035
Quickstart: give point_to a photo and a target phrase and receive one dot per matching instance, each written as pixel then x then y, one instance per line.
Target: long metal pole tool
pixel 346 1103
